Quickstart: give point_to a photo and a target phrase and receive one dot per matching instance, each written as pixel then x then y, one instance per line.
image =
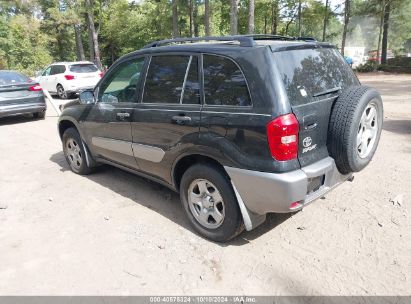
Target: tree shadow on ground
pixel 399 126
pixel 160 198
pixel 11 120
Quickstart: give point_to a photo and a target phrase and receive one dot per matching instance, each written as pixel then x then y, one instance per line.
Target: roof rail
pixel 244 40
pixel 269 37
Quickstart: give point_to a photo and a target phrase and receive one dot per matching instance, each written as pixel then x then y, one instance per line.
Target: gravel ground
pixel 113 233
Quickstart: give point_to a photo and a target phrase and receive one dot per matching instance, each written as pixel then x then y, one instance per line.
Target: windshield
pixel 10 78
pixel 309 73
pixel 83 68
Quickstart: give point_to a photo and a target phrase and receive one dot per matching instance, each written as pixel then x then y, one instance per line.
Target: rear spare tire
pixel 355 128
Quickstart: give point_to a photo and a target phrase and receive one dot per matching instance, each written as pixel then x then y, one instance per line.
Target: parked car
pixel 240 126
pixel 20 95
pixel 67 79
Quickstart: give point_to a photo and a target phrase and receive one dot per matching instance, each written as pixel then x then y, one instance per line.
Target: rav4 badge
pixel 307 144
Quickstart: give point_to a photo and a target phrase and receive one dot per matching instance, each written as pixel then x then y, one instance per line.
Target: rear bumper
pixel 264 192
pixel 20 109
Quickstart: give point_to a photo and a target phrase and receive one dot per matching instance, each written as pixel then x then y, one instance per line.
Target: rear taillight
pixel 35 88
pixel 69 77
pixel 101 74
pixel 282 135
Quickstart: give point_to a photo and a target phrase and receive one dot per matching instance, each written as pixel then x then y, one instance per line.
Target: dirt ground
pixel 113 233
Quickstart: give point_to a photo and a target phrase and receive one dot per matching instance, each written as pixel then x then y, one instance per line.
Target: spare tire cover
pixel 355 128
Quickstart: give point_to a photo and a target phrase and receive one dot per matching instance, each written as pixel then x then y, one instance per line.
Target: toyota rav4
pixel 240 126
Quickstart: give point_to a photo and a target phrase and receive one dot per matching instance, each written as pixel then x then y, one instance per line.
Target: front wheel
pixel 210 203
pixel 74 152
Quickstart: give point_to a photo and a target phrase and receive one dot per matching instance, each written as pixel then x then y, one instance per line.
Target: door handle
pixel 181 119
pixel 122 115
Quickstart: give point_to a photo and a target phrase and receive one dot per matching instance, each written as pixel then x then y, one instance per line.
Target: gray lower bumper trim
pixel 264 192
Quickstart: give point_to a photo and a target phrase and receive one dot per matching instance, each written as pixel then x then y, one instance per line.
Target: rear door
pixel 55 77
pixel 167 120
pixel 313 80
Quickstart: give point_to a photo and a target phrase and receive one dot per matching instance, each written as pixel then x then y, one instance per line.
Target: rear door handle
pixel 181 119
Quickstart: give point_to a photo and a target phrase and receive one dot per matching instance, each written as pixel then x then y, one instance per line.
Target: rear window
pixel 83 68
pixel 8 78
pixel 312 72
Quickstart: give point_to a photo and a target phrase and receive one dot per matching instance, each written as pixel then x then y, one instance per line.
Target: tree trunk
pixel 79 43
pixel 384 45
pixel 234 17
pixel 94 36
pixel 325 19
pixel 207 17
pixel 299 19
pixel 346 21
pixel 190 7
pixel 380 34
pixel 274 10
pixel 195 18
pixel 251 8
pixel 175 19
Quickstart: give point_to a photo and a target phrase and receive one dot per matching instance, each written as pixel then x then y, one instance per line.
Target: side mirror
pixel 87 97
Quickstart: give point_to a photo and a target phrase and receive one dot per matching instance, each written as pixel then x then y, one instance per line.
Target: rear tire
pixel 210 203
pixel 62 94
pixel 74 152
pixel 355 128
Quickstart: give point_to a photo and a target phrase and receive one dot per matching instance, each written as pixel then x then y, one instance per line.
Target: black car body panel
pixel 150 140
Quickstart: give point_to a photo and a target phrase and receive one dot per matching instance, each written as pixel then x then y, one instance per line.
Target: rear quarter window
pixel 224 83
pixel 308 72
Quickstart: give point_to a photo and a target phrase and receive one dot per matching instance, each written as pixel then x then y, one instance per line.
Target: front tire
pixel 74 152
pixel 210 203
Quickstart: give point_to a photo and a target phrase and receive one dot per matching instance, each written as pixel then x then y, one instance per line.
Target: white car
pixel 67 79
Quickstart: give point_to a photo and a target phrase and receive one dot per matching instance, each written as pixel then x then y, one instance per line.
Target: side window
pixel 54 70
pixel 166 77
pixel 122 84
pixel 191 92
pixel 224 83
pixel 46 72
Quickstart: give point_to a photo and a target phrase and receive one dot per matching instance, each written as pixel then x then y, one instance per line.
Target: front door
pixel 168 117
pixel 107 123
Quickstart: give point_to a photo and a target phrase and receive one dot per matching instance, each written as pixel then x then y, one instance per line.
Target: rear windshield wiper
pixel 333 90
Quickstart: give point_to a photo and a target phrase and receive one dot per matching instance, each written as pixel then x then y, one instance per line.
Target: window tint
pixel 306 73
pixel 7 78
pixel 224 83
pixel 46 72
pixel 83 68
pixel 57 69
pixel 192 85
pixel 122 84
pixel 165 78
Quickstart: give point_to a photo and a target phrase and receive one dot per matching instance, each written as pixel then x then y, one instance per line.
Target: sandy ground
pixel 113 233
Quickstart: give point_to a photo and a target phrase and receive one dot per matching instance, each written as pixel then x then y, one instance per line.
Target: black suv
pixel 240 126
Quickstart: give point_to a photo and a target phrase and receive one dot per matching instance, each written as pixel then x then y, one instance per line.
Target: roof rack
pixel 244 40
pixel 269 37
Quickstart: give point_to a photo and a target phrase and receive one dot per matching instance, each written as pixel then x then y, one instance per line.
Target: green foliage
pixel 34 33
pixel 369 66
